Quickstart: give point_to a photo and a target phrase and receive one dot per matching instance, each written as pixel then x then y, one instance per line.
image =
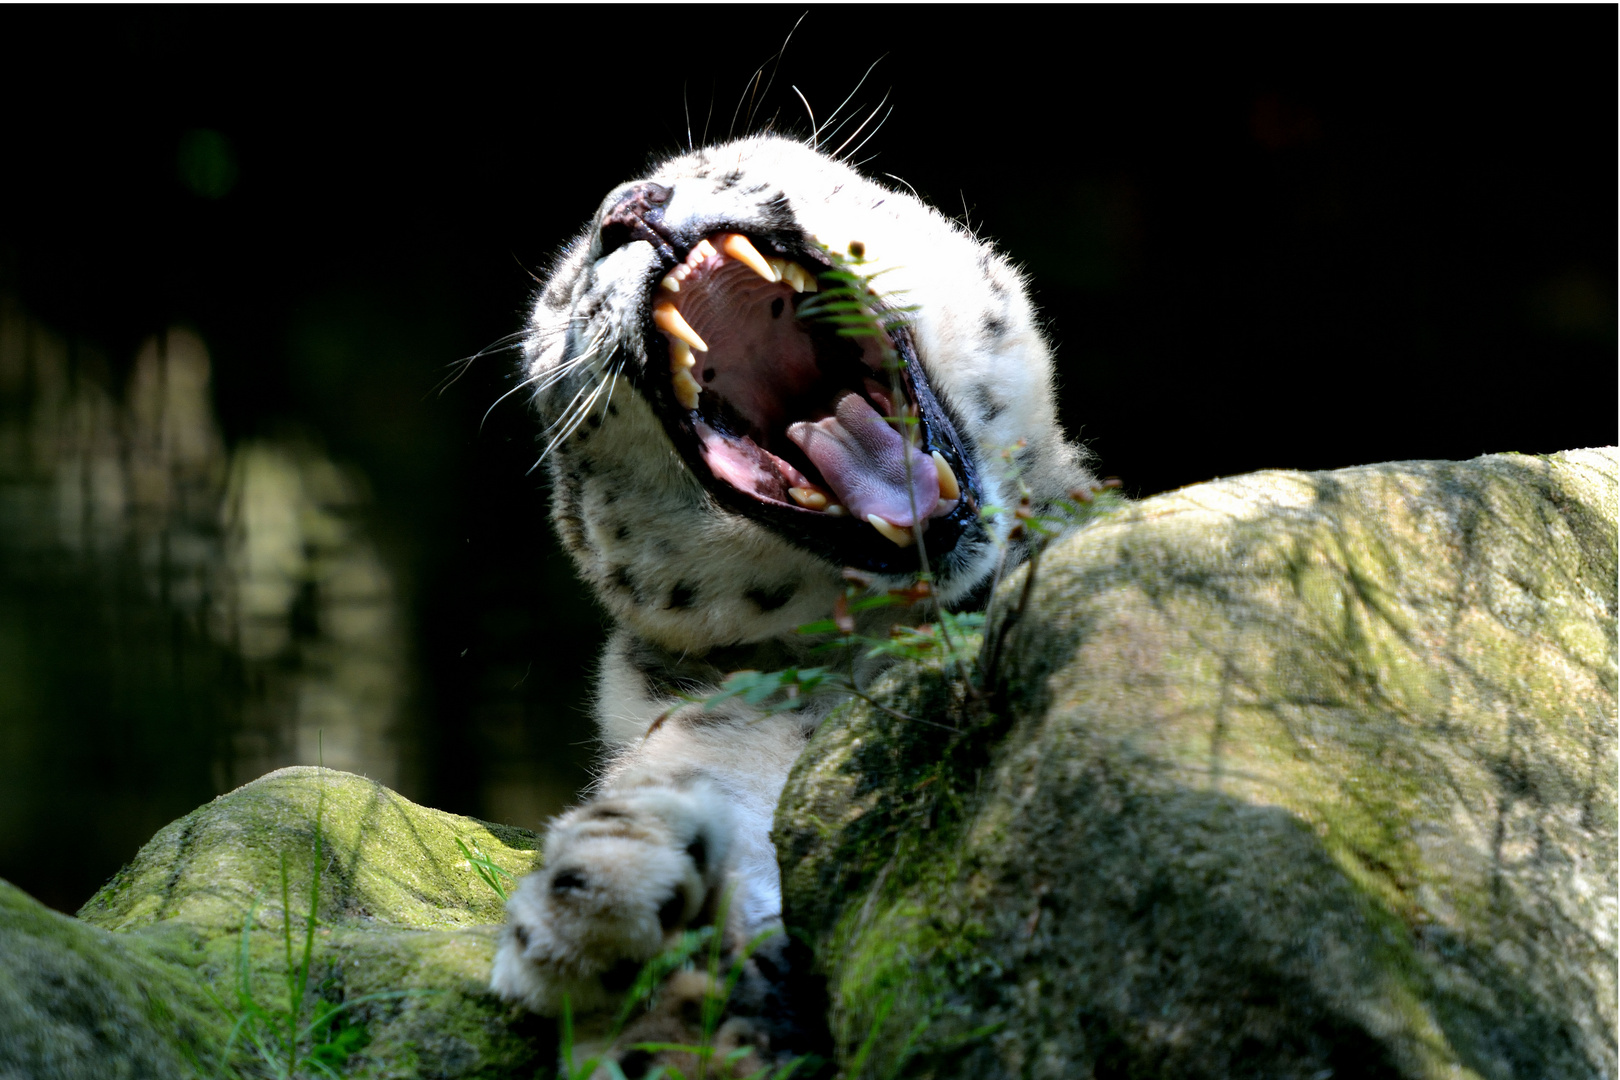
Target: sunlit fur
pixel 638 523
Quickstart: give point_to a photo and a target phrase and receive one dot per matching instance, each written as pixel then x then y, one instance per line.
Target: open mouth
pixel 833 439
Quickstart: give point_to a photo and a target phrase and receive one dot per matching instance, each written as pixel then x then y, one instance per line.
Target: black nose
pixel 638 214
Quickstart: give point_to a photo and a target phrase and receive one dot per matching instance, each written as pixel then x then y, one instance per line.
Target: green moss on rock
pixel 1283 775
pixel 145 981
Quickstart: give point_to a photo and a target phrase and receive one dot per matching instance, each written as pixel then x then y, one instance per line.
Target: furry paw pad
pixel 623 876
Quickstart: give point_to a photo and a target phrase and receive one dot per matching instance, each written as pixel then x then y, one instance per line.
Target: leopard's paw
pixel 623 876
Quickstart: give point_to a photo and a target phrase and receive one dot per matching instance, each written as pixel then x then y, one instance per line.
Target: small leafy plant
pixel 485 867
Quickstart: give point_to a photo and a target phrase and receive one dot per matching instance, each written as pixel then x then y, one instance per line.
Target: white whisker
pixel 812 114
pixel 852 93
pixel 858 130
pixel 777 63
pixel 909 188
pixel 503 397
pixel 462 366
pixel 731 132
pixel 710 117
pixel 875 130
pixel 583 413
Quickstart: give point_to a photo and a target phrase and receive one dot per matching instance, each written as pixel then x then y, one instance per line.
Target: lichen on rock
pixel 1287 774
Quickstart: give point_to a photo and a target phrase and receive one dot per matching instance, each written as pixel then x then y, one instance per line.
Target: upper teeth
pixel 795 275
pixel 667 317
pixel 680 371
pixel 739 247
pixel 683 339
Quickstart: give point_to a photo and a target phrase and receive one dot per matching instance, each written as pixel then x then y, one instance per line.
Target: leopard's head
pixel 722 445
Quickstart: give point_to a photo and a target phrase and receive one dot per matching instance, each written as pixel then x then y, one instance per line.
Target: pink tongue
pixel 863 458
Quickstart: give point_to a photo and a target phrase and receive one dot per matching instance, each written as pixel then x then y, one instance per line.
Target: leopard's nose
pixel 637 213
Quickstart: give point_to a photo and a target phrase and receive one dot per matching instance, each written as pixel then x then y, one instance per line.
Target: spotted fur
pixel 696 587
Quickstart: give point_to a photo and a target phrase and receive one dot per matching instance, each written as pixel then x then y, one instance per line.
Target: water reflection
pixel 175 618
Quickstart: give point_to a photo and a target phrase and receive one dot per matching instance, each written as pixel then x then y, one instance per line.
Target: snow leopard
pixel 723 464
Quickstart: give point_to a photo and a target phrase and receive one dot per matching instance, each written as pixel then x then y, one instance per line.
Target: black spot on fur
pixel 698 852
pixel 613 410
pixel 594 419
pixel 728 180
pixel 776 307
pixel 621 577
pixel 995 326
pixel 653 667
pixel 692 1011
pixel 682 595
pixel 621 976
pixel 567 881
pixel 987 403
pixel 672 911
pixel 521 932
pixel 635 1064
pixel 755 190
pixel 997 289
pixel 769 599
pixel 606 812
pixel 572 527
pixel 622 533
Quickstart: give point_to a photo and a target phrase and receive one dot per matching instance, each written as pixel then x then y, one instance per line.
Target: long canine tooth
pixel 948 487
pixel 739 247
pixel 899 537
pixel 680 355
pixel 670 282
pixel 686 387
pixel 809 498
pixel 669 319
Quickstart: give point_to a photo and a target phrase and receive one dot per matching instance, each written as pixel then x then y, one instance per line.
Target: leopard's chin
pixel 796 404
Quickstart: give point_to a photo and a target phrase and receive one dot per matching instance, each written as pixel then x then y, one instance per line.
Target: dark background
pixel 1262 238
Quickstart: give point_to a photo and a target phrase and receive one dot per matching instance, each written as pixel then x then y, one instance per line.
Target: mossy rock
pixel 1285 775
pixel 147 981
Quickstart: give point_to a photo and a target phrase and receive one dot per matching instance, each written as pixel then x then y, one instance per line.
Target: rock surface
pixel 1292 775
pixel 1285 775
pixel 147 981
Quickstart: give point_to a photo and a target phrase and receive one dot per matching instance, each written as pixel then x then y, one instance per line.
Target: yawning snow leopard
pixel 717 462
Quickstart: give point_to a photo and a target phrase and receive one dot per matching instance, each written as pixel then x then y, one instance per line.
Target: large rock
pixel 147 981
pixel 1286 775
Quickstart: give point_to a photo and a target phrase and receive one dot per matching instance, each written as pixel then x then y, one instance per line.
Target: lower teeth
pixel 893 533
